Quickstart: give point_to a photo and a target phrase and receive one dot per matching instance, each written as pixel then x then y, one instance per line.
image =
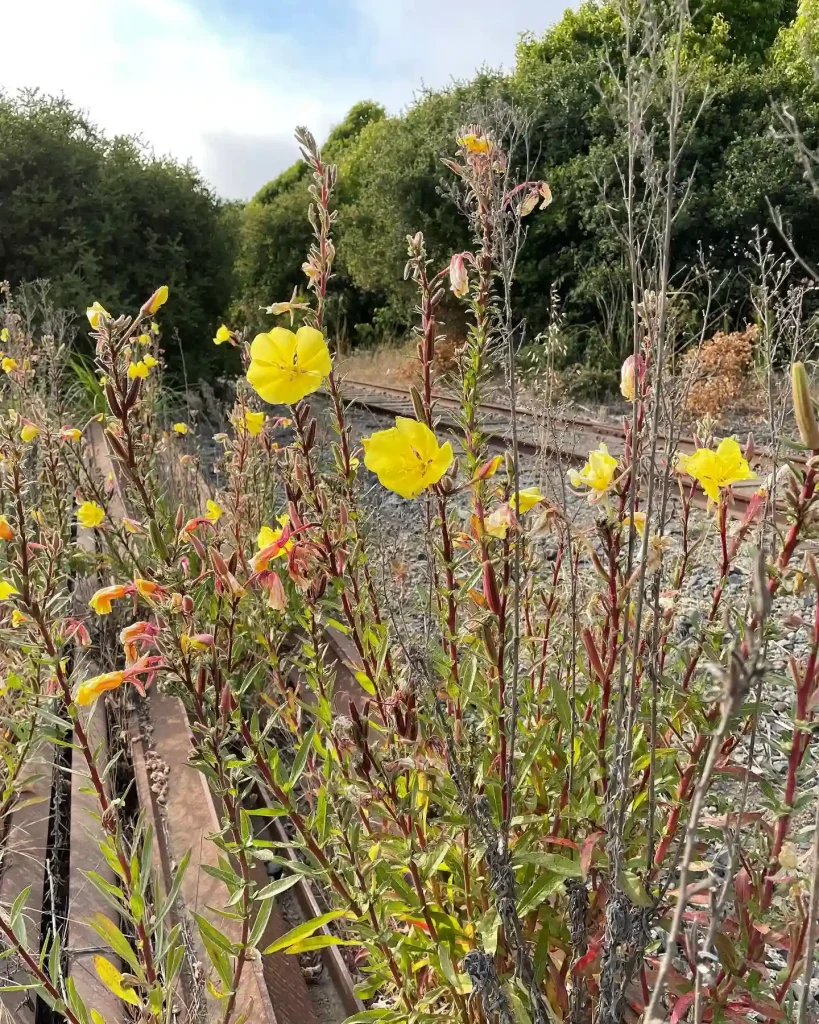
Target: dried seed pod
pixel 113 401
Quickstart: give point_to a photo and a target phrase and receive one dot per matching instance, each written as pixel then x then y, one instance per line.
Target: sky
pixel 223 83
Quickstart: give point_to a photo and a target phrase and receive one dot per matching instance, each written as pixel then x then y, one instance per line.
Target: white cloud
pixel 228 98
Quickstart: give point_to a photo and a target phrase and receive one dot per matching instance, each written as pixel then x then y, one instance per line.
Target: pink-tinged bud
pixel 226 704
pixel 203 639
pixel 276 595
pixel 197 546
pixel 185 562
pixel 490 588
pixel 159 298
pixel 458 277
pixel 187 605
pixel 218 563
pixel 628 379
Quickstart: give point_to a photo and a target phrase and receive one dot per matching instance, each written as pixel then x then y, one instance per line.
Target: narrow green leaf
pixel 303 931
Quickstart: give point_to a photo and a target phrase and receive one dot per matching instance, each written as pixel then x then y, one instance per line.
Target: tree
pixel 104 220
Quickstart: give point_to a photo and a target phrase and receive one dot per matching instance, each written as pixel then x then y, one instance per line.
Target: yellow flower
pixel 715 470
pixel 138 369
pixel 498 522
pixel 266 539
pixel 144 339
pixel 407 458
pixel 101 600
pixel 18 618
pixel 9 365
pixel 95 313
pixel 598 472
pixel 146 588
pixel 285 366
pixel 93 688
pixel 222 335
pixel 214 512
pixel 254 422
pixel 180 428
pixel 159 298
pixel 150 361
pixel 131 525
pixel 4 335
pixel 475 144
pixel 154 328
pixel 29 432
pixel 529 497
pixel 7 590
pixel 639 522
pixel 6 532
pixel 89 514
pixel 70 433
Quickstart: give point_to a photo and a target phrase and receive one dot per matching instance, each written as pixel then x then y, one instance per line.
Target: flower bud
pixel 187 604
pixel 803 410
pixel 628 379
pixel 159 298
pixel 458 277
pixel 417 404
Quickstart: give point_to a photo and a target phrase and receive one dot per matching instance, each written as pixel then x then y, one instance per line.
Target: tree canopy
pixel 742 56
pixel 104 220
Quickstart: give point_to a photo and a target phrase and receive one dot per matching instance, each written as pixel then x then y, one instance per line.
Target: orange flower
pixel 101 601
pixel 6 532
pixel 93 688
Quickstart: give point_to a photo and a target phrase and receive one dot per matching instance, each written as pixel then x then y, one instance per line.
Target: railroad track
pixel 570 437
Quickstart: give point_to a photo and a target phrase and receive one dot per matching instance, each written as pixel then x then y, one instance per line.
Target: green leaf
pixel 559 865
pixel 212 935
pixel 319 942
pixel 108 931
pixel 365 683
pixel 277 887
pixel 303 931
pixel 542 887
pixel 176 884
pixel 301 758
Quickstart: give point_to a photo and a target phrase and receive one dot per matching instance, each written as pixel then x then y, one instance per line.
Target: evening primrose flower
pixel 4 335
pixel 529 497
pixel 70 433
pixel 222 335
pixel 18 618
pixel 93 688
pixel 291 306
pixel 180 428
pixel 29 431
pixel 628 379
pixel 138 369
pixel 714 470
pixel 272 544
pixel 253 422
pixel 101 601
pixel 639 522
pixel 150 361
pixel 95 314
pixel 90 514
pixel 214 511
pixel 9 365
pixel 6 532
pixel 285 367
pixel 458 277
pixel 597 474
pixel 144 339
pixel 407 458
pixel 7 590
pixel 475 144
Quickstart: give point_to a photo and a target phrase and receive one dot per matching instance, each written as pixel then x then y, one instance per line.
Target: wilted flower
pixel 70 433
pixel 95 314
pixel 407 458
pixel 222 335
pixel 94 688
pixel 717 469
pixel 285 367
pixel 458 277
pixel 273 543
pixel 499 521
pixel 18 618
pixel 639 522
pixel 90 514
pixel 278 308
pixel 148 589
pixel 597 474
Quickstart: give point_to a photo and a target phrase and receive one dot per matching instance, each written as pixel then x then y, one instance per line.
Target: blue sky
pixel 224 82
